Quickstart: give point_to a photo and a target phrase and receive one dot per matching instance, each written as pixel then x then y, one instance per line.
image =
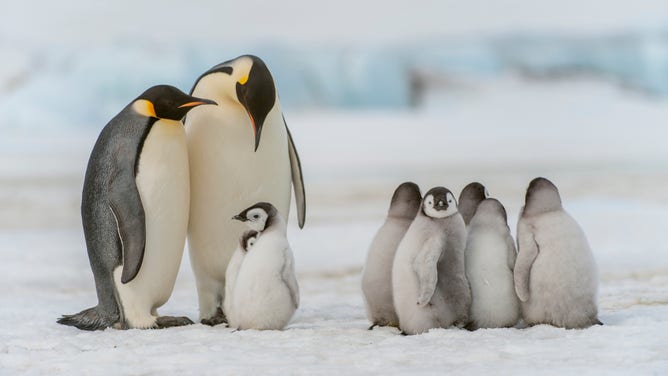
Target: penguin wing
pixel 512 251
pixel 125 204
pixel 297 178
pixel 528 250
pixel 425 266
pixel 288 278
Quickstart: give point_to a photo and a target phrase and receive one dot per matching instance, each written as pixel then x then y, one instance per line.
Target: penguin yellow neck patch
pixel 243 80
pixel 144 107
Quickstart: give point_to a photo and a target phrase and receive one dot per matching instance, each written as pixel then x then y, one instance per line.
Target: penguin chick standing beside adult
pixel 490 259
pixel 469 199
pixel 241 152
pixel 429 283
pixel 555 273
pixel 377 273
pixel 134 210
pixel 266 294
pixel 246 242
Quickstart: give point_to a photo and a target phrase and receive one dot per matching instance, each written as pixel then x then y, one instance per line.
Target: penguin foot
pixel 89 319
pixel 471 327
pixel 170 321
pixel 372 326
pixel 218 318
pixel 598 322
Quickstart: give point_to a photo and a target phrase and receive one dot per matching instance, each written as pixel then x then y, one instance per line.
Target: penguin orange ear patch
pixel 145 108
pixel 243 80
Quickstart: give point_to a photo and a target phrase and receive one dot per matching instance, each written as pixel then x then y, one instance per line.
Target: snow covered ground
pixel 604 148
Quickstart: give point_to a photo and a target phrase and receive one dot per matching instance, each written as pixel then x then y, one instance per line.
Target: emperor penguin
pixel 134 209
pixel 241 152
pixel 490 259
pixel 266 293
pixel 377 273
pixel 556 276
pixel 469 199
pixel 246 242
pixel 429 284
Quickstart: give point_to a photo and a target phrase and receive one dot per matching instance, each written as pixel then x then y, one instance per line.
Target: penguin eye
pixel 256 216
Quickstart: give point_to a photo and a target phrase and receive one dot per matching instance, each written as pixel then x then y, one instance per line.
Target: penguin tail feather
pixel 88 319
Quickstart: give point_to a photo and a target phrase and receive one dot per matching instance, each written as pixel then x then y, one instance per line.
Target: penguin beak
pixel 238 217
pixel 198 102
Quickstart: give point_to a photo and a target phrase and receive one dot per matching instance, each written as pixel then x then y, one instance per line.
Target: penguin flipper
pixel 528 250
pixel 126 206
pixel 288 278
pixel 425 266
pixel 297 179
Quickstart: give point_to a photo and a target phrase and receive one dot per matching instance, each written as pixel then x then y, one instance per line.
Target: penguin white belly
pixel 163 184
pixel 494 303
pixel 227 175
pixel 261 299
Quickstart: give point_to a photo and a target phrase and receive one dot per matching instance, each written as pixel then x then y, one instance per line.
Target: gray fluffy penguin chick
pixel 555 274
pixel 246 242
pixel 429 283
pixel 377 273
pixel 490 259
pixel 469 199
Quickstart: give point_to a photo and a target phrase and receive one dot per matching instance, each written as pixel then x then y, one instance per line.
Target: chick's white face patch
pixel 257 218
pixel 439 208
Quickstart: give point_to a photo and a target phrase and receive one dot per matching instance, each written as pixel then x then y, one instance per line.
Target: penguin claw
pixel 171 321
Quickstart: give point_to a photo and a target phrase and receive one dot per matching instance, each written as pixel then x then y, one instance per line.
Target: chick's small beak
pixel 239 218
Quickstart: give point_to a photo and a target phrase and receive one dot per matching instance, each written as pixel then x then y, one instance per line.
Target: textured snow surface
pixel 603 148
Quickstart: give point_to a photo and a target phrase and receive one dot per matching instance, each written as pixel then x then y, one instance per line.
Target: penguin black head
pixel 491 208
pixel 259 216
pixel 247 81
pixel 542 196
pixel 248 239
pixel 439 202
pixel 469 199
pixel 166 102
pixel 405 201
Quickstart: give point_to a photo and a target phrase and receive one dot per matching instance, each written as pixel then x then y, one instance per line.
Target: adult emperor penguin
pixel 377 273
pixel 266 294
pixel 429 283
pixel 240 152
pixel 490 259
pixel 556 277
pixel 469 199
pixel 246 242
pixel 134 210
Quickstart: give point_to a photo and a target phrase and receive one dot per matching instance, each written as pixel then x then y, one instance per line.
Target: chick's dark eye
pixel 256 216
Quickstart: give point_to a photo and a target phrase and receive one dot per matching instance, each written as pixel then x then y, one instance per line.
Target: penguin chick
pixel 377 273
pixel 490 259
pixel 429 283
pixel 469 199
pixel 555 274
pixel 266 294
pixel 246 242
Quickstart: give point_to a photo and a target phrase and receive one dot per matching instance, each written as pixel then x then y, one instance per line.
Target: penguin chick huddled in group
pixel 265 294
pixel 246 242
pixel 429 283
pixel 469 198
pixel 490 259
pixel 555 274
pixel 134 209
pixel 377 273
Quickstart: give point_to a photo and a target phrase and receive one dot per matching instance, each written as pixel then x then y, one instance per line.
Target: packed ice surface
pixel 604 148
